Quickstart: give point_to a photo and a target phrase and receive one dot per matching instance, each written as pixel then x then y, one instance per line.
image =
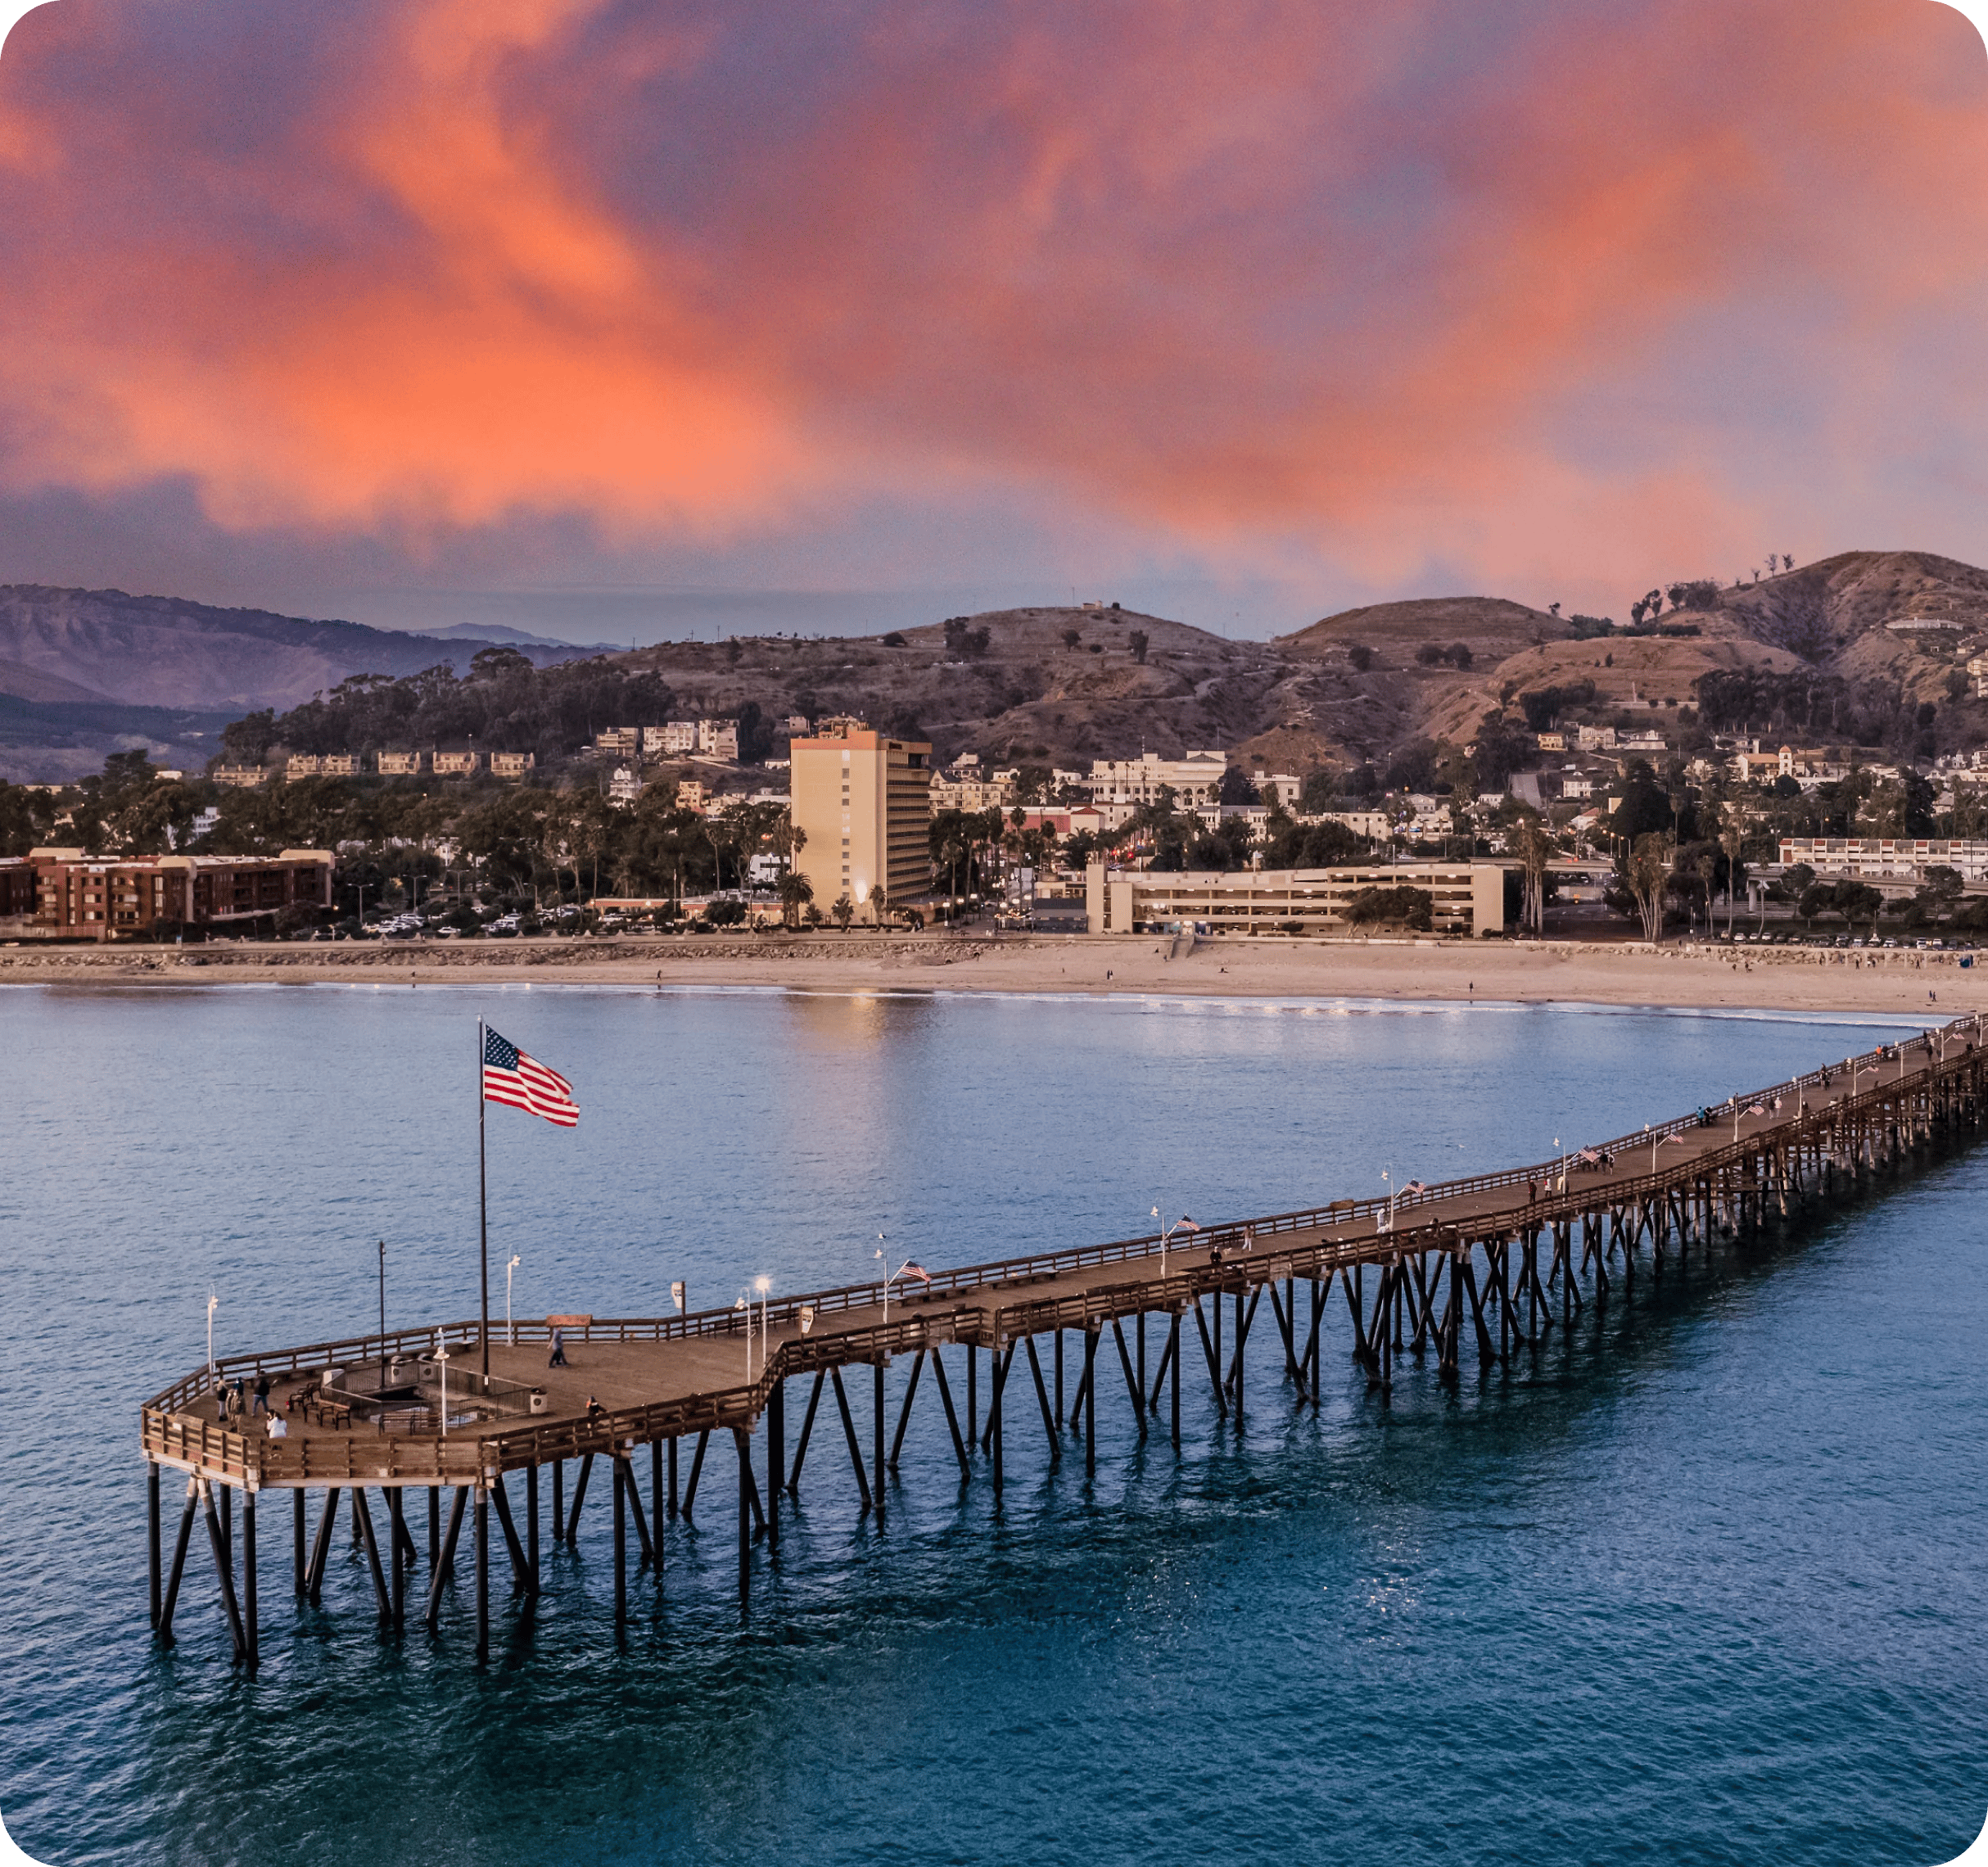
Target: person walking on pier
pixel 558 1350
pixel 262 1394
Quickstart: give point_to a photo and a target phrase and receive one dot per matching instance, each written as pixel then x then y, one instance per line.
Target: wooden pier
pixel 1475 1268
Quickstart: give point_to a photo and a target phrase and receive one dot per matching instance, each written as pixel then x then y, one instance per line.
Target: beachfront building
pixel 78 896
pixel 511 764
pixel 1886 858
pixel 399 764
pixel 863 801
pixel 1466 899
pixel 455 764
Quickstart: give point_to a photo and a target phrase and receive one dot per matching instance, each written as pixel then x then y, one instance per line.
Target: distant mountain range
pixel 84 672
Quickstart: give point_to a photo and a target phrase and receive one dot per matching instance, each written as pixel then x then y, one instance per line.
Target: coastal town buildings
pixel 73 896
pixel 1886 858
pixel 862 801
pixel 1466 899
pixel 1194 779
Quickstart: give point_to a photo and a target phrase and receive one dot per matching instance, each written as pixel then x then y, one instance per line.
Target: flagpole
pixel 483 1204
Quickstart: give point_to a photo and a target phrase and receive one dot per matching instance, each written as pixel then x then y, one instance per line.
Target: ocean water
pixel 1702 1582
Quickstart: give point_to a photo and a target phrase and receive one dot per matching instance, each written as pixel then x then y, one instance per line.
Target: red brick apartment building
pixel 63 894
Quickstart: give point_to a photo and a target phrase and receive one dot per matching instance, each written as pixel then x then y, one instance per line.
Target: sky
pixel 616 319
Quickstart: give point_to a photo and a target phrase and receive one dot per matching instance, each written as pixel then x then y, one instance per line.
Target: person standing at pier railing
pixel 557 1358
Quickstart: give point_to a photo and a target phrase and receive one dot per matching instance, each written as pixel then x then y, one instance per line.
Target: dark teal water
pixel 1704 1584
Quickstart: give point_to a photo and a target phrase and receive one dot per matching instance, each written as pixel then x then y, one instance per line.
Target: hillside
pixel 86 672
pixel 1007 683
pixel 162 651
pixel 1063 685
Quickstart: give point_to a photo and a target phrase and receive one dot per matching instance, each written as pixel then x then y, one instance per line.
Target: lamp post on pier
pixel 212 1300
pixel 510 1328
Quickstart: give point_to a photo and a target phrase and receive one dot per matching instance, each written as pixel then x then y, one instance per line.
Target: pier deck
pixel 1490 1257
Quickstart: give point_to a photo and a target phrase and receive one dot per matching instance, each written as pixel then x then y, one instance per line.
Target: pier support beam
pixel 904 1407
pixel 620 1547
pixel 321 1549
pixel 155 1574
pixel 223 1568
pixel 776 1455
pixel 483 1575
pixel 697 1468
pixel 362 1514
pixel 397 1535
pixel 747 1488
pixel 296 1542
pixel 952 1419
pixel 179 1563
pixel 580 1497
pixel 1091 1335
pixel 1048 1419
pixel 997 1381
pixel 807 1430
pixel 442 1570
pixel 856 1449
pixel 252 1649
pixel 876 1448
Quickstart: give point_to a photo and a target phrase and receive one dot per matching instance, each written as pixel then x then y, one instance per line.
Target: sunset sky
pixel 619 316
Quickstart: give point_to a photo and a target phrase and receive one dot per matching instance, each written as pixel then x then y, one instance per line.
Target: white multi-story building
pixel 1194 779
pixel 1278 788
pixel 717 739
pixel 677 739
pixel 1886 858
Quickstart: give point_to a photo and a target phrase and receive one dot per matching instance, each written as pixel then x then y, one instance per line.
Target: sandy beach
pixel 1921 983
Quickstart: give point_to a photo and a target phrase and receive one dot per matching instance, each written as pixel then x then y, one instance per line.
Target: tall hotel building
pixel 864 803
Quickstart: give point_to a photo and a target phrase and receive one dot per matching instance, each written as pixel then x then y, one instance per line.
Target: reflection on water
pixel 1701 1584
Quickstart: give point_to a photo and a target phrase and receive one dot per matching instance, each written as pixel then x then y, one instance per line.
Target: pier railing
pixel 1342 1234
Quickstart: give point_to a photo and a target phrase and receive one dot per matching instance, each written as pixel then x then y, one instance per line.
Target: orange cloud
pixel 1434 286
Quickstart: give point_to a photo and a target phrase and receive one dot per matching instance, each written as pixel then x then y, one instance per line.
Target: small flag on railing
pixel 520 1081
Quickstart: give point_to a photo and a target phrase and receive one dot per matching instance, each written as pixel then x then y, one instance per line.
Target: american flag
pixel 913 1269
pixel 520 1081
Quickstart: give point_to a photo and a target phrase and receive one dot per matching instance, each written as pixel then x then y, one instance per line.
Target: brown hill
pixel 161 651
pixel 1823 612
pixel 1009 684
pixel 1492 627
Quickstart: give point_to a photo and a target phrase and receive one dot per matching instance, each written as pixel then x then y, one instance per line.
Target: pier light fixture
pixel 212 1300
pixel 745 1303
pixel 510 1328
pixel 441 1361
pixel 763 1285
pixel 1183 1223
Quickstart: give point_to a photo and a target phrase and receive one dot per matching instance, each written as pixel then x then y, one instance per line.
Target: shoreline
pixel 1531 972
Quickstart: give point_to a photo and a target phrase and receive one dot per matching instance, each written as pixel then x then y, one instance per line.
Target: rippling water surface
pixel 1703 1584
